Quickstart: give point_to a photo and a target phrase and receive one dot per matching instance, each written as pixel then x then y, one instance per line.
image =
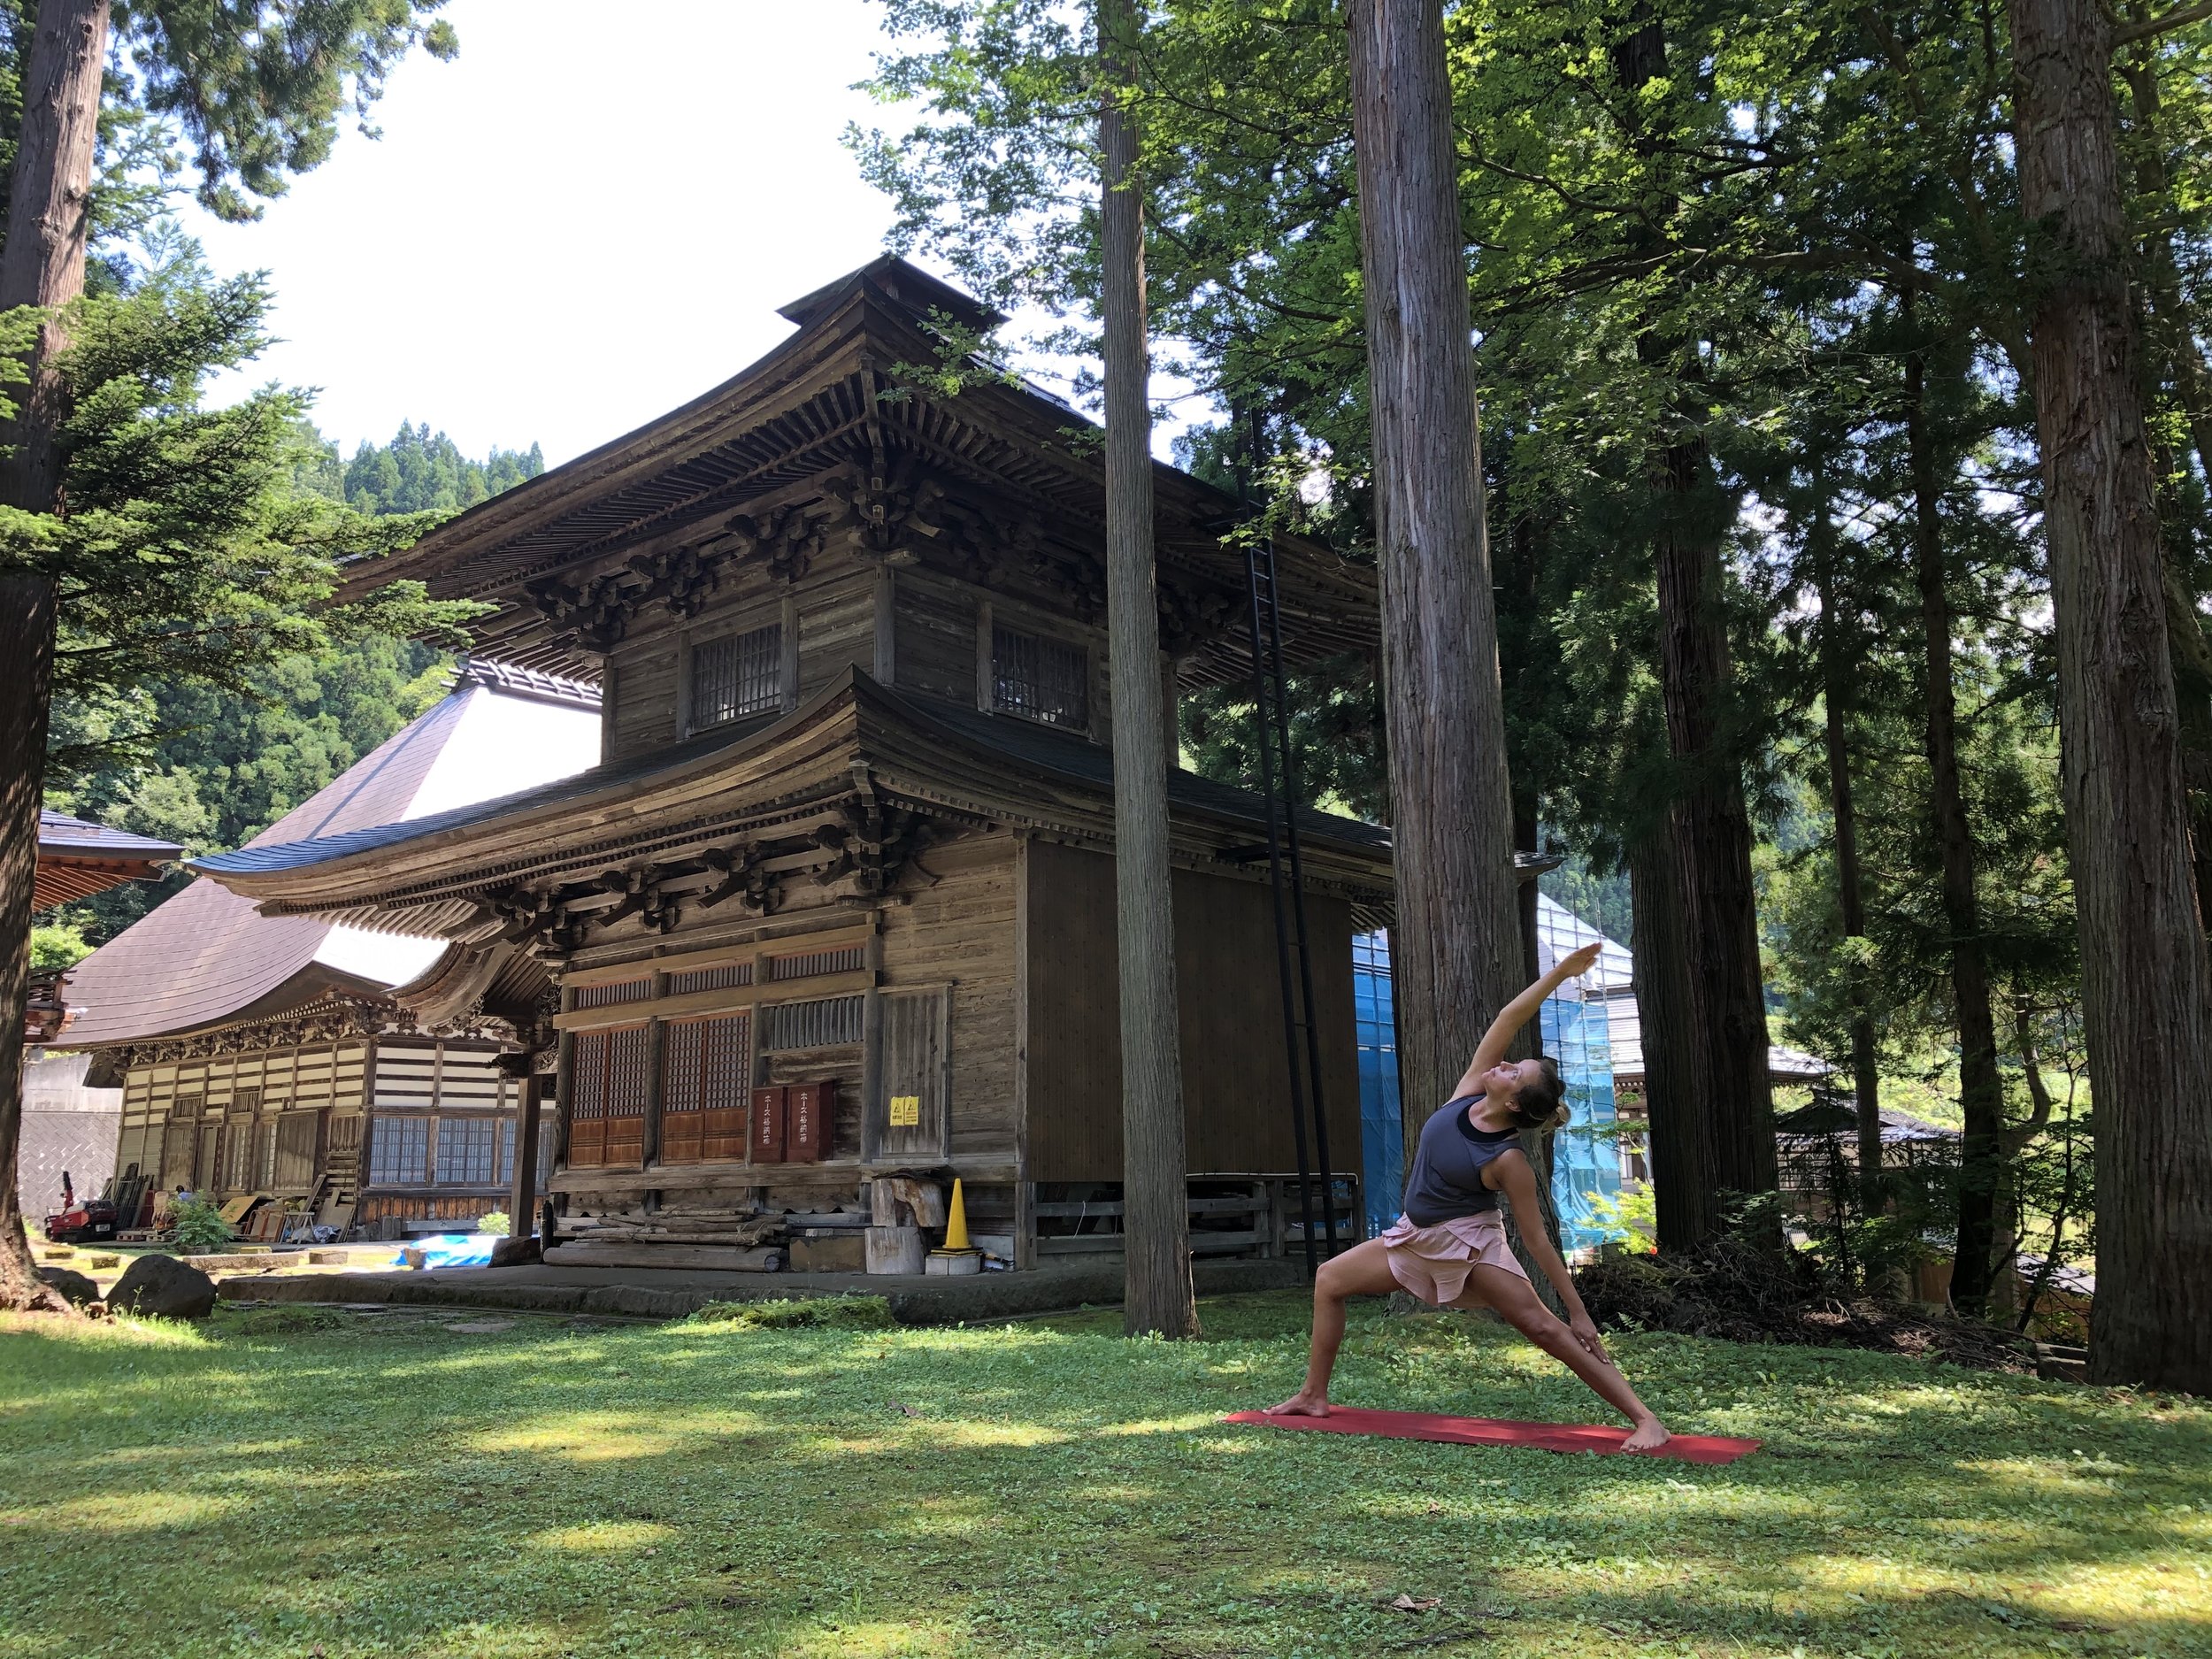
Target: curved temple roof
pixel 78 859
pixel 207 957
pixel 834 397
pixel 425 876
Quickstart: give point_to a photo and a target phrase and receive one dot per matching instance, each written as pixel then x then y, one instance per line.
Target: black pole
pixel 1260 689
pixel 1316 1095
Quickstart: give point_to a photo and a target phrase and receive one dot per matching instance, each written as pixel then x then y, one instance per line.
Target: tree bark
pixel 2172 337
pixel 1836 700
pixel 2147 981
pixel 1456 948
pixel 1688 1205
pixel 1725 1010
pixel 1981 1089
pixel 1723 1087
pixel 41 264
pixel 1156 1219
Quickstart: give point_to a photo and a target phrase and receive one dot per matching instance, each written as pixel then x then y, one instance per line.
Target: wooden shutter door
pixel 629 1083
pixel 909 1117
pixel 587 1100
pixel 706 1067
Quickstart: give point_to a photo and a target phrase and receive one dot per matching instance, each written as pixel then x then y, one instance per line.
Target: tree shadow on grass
pixel 1033 1489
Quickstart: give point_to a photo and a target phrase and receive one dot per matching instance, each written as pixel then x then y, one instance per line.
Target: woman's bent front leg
pixel 1361 1270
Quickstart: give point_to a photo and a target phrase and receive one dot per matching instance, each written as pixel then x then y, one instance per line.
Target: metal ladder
pixel 1286 871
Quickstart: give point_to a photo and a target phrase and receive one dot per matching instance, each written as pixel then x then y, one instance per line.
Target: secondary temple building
pixel 272 1055
pixel 837 904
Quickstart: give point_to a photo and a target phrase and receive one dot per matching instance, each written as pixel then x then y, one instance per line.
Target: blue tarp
pixel 452 1250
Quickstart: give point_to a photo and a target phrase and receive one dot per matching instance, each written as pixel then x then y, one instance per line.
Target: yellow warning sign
pixel 906 1111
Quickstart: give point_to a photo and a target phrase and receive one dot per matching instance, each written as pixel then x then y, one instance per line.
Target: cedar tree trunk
pixel 1836 699
pixel 1724 1004
pixel 1156 1219
pixel 1674 1148
pixel 41 264
pixel 1981 1090
pixel 1456 950
pixel 1724 1094
pixel 2148 1005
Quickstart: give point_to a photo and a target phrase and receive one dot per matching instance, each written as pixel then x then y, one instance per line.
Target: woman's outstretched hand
pixel 1581 960
pixel 1586 1333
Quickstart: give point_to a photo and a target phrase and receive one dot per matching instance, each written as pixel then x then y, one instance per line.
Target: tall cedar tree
pixel 41 265
pixel 2147 979
pixel 1456 952
pixel 258 88
pixel 1154 1216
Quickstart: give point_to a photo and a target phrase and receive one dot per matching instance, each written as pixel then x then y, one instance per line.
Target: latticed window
pixel 1040 678
pixel 736 676
pixel 806 965
pixel 817 1025
pixel 468 1151
pixel 728 973
pixel 399 1151
pixel 608 996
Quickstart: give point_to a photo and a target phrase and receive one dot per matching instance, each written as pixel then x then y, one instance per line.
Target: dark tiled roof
pixel 1022 742
pixel 1071 756
pixel 60 836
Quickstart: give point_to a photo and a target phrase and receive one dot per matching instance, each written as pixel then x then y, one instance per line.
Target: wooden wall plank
pixel 935 624
pixel 1235 1068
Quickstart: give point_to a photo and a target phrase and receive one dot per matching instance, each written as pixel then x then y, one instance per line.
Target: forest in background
pixel 1752 293
pixel 224 766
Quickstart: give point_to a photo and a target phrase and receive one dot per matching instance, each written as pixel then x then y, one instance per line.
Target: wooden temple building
pixel 262 1055
pixel 837 904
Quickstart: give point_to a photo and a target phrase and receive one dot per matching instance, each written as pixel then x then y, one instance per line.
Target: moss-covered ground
pixel 299 1481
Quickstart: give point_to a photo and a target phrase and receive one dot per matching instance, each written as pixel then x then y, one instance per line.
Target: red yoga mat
pixel 1550 1436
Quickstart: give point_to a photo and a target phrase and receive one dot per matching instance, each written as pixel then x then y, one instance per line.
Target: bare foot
pixel 1650 1435
pixel 1303 1404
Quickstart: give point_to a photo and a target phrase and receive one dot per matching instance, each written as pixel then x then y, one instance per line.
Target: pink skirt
pixel 1434 1263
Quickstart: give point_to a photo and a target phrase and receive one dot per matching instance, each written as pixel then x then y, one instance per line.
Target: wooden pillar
pixel 1171 725
pixel 522 1206
pixel 886 597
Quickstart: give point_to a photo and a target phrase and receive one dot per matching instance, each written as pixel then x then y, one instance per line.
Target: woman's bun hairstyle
pixel 1542 1104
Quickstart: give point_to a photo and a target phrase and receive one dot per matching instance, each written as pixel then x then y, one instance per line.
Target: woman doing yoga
pixel 1449 1246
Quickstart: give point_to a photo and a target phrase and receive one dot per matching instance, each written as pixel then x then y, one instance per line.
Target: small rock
pixel 164 1287
pixel 75 1288
pixel 482 1327
pixel 517 1252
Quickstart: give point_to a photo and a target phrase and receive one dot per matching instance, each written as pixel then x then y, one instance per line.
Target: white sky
pixel 586 219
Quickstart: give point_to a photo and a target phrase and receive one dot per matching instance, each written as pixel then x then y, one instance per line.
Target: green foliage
pixel 418 473
pixel 497 1221
pixel 211 766
pixel 57 947
pixel 258 90
pixel 1058 1490
pixel 198 1223
pixel 871 1313
pixel 1630 1217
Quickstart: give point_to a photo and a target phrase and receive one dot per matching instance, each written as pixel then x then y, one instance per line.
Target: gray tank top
pixel 1446 1180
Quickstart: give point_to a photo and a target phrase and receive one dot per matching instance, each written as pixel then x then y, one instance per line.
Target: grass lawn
pixel 290 1481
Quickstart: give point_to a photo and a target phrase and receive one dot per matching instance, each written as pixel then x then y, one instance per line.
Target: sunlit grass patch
pixel 605 1536
pixel 382 1487
pixel 590 1437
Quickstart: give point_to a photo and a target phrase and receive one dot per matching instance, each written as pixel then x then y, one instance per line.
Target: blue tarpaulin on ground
pixel 452 1250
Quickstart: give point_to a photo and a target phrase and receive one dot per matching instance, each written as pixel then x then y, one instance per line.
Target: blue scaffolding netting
pixel 1575 1022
